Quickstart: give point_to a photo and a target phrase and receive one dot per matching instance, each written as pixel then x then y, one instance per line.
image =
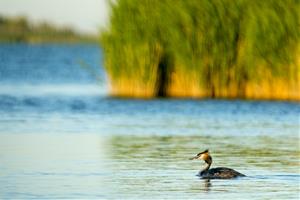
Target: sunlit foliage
pixel 203 48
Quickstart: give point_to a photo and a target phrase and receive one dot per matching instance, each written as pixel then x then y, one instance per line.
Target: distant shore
pixel 20 29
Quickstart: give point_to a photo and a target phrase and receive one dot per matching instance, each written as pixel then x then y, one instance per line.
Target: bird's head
pixel 204 155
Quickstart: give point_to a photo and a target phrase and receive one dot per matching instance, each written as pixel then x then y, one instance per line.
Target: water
pixel 62 137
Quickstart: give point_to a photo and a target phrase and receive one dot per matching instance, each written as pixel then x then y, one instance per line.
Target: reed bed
pixel 207 48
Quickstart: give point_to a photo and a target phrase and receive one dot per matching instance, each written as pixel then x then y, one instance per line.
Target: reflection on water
pixel 61 138
pixel 147 166
pixel 206 185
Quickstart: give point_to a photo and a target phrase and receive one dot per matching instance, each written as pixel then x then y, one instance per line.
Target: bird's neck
pixel 208 162
pixel 207 166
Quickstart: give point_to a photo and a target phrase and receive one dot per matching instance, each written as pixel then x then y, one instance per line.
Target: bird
pixel 214 173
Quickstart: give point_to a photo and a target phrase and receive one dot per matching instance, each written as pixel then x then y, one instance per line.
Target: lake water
pixel 62 137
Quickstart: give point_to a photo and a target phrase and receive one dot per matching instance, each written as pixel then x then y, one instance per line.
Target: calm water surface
pixel 62 137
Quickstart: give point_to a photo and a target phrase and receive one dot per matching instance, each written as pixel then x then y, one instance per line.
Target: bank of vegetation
pixel 20 29
pixel 203 48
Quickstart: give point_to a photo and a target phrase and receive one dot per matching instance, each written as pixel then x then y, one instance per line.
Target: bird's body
pixel 215 173
pixel 219 173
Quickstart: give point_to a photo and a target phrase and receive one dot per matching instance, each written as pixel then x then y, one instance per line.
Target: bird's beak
pixel 194 158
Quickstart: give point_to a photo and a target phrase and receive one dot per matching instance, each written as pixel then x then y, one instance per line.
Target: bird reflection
pixel 206 185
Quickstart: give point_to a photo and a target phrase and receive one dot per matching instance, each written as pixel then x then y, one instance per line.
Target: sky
pixel 86 16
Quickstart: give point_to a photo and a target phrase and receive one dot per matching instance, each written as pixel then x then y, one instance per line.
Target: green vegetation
pixel 19 29
pixel 204 48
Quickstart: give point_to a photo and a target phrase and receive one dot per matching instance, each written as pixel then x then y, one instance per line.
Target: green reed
pixel 213 48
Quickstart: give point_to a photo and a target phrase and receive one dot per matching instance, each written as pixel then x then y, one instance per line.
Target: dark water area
pixel 61 136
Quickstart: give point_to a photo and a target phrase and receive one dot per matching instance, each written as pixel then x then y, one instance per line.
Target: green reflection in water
pixel 158 166
pixel 244 152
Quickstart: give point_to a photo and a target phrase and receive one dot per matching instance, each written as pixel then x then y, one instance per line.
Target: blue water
pixel 61 136
pixel 49 64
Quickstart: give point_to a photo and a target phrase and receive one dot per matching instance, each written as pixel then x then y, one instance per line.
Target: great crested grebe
pixel 214 173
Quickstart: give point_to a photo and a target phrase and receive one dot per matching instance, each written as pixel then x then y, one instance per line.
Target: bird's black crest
pixel 206 151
